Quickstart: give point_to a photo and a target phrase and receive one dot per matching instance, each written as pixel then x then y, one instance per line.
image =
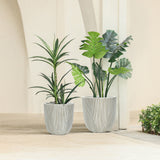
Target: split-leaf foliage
pixel 98 48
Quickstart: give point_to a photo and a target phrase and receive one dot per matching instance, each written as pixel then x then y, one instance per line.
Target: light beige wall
pixel 144 26
pixel 74 26
pixel 13 64
pixel 39 18
pixel 44 18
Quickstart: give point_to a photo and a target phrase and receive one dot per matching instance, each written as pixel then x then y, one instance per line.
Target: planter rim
pixel 90 97
pixel 52 103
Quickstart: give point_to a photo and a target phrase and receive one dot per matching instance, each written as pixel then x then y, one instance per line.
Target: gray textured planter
pixel 58 118
pixel 99 113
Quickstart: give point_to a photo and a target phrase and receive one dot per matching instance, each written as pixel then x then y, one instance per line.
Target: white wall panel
pixel 39 18
pixel 13 61
pixel 143 24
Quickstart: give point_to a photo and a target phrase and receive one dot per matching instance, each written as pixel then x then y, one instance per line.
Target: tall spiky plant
pixel 55 56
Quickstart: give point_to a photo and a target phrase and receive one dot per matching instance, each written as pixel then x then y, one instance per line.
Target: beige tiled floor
pixel 24 137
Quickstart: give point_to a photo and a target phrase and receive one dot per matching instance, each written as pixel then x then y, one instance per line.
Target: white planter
pixel 58 118
pixel 99 113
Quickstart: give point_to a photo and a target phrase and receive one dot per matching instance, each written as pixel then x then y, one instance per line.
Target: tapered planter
pixel 99 113
pixel 58 118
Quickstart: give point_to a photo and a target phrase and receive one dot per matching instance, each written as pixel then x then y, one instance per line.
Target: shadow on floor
pixel 19 129
pixel 139 135
pixel 79 128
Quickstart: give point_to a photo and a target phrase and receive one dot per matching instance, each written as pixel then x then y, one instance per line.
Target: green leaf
pixel 117 71
pixel 45 91
pixel 63 77
pixel 69 99
pixel 49 52
pixel 99 72
pixel 110 41
pixel 93 34
pixel 114 56
pixel 66 44
pixel 119 49
pixel 92 46
pixel 87 54
pixel 77 75
pixel 73 89
pixel 48 79
pixel 55 88
pixel 40 87
pixel 65 85
pixel 53 82
pixel 46 46
pixel 61 42
pixel 56 54
pixel 124 63
pixel 62 93
pixel 83 69
pixel 115 50
pixel 123 45
pixel 41 57
pixel 100 55
pixel 41 60
pixel 49 96
pixel 65 60
pixel 122 68
pixel 150 119
pixel 56 46
pixel 63 54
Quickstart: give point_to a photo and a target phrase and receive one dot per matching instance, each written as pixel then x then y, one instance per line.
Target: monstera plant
pixel 98 48
pixel 59 112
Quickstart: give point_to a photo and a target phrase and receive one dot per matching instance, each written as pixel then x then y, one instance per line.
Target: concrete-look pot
pixel 58 118
pixel 99 113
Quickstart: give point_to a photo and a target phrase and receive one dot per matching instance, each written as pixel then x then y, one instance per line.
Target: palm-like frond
pixel 70 93
pixel 56 56
pixel 63 93
pixel 63 77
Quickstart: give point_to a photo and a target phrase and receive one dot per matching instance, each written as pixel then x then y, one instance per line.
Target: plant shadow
pixel 33 129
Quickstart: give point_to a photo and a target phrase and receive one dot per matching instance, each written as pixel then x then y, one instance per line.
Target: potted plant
pixel 58 113
pixel 99 110
pixel 150 119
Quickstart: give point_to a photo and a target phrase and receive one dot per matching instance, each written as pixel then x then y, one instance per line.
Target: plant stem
pixel 102 88
pixel 99 92
pixel 111 81
pixel 55 79
pixel 101 84
pixel 108 76
pixel 99 78
pixel 90 85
